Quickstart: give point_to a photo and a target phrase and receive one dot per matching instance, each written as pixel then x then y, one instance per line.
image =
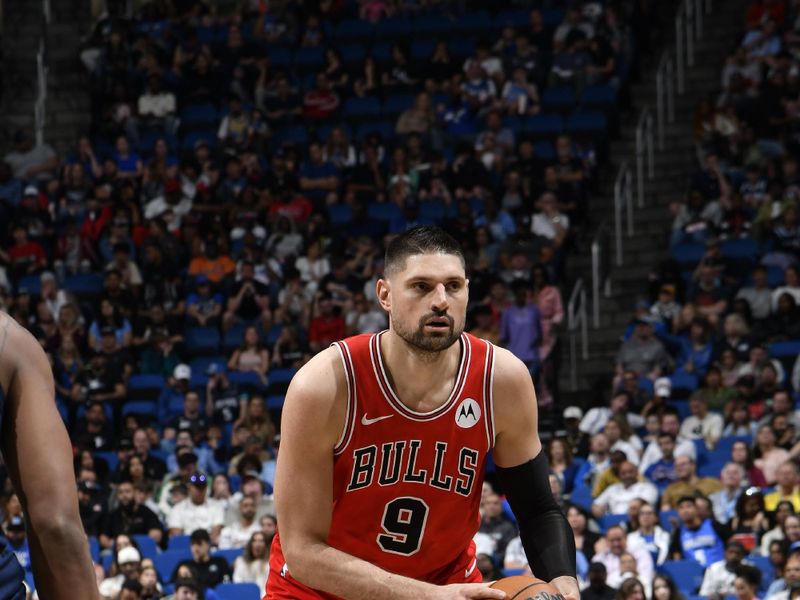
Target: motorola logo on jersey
pixel 468 413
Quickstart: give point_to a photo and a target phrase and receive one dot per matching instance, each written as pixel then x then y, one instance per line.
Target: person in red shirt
pixel 321 102
pixel 26 256
pixel 328 326
pixel 292 205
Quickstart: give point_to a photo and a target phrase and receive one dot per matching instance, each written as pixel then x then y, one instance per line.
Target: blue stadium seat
pixel 147 545
pixel 421 49
pixel 763 564
pixel 361 108
pixel 543 125
pixel 607 521
pixel 599 97
pixel 179 543
pixel 295 136
pixel 394 104
pixel 461 48
pixel 233 338
pixel 309 58
pixel 512 17
pixel 94 548
pixel 353 29
pixel 394 28
pixel 382 52
pixel 85 285
pixel 432 25
pixel 275 402
pixel 199 114
pixel 201 340
pixel 587 122
pixel 384 211
pixel 545 150
pixel 385 129
pixel 559 99
pixel 339 214
pixel 687 254
pixel 774 277
pixel 246 379
pixel 431 210
pixel 552 17
pixel 353 55
pixel 238 591
pixel 725 443
pixel 145 386
pixel 282 375
pixel 166 562
pixel 582 496
pixel 687 574
pixel 272 335
pixel 111 458
pixel 230 555
pixel 200 364
pixel 741 248
pixel 140 407
pixel 682 406
pixel 280 56
pixel 32 283
pixel 472 22
pixel 790 348
pixel 665 518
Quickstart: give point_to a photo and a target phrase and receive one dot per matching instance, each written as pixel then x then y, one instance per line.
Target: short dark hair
pixel 133 586
pixel 424 239
pixel 198 536
pixel 686 498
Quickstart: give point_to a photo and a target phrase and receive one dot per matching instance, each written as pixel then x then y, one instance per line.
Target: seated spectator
pixel 585 539
pixel 612 557
pixel 687 483
pixel 596 418
pixel 25 256
pixel 783 325
pixel 520 327
pixel 621 437
pixel 724 501
pixel 418 119
pixel 742 455
pixel 253 565
pixel 519 96
pixel 787 489
pixel 598 589
pixel 209 571
pixel 702 424
pixel 239 533
pixel 785 587
pixel 706 298
pixel 642 353
pixel 747 581
pixel 776 534
pixel 212 264
pixel 768 456
pixel 791 285
pixel 616 497
pixel 196 512
pixel 235 127
pixel 758 295
pixel 698 539
pixel 186 588
pixel 31 162
pixel 749 520
pixel 597 461
pixel 662 472
pixel 248 300
pixel 649 534
pixel 129 563
pixel 327 326
pixel 495 523
pixel 290 352
pixel 719 577
pixel 321 102
pixel 549 223
pixel 190 420
pixel 257 420
pixel 251 356
pixel 204 306
pixel 670 423
pixel 130 517
pixel 559 455
pixel 156 110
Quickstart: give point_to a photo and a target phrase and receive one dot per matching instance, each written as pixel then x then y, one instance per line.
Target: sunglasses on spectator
pixel 198 479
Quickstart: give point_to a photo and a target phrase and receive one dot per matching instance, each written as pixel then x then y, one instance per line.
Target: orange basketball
pixel 525 587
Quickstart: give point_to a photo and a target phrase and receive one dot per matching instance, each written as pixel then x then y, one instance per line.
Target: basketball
pixel 525 587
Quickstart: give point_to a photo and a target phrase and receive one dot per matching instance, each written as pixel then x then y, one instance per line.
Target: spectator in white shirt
pixel 129 562
pixel 253 565
pixel 720 576
pixel 237 534
pixel 615 498
pixel 611 557
pixel 670 423
pixel 596 418
pixel 196 511
pixel 650 535
pixel 702 424
pixel 549 223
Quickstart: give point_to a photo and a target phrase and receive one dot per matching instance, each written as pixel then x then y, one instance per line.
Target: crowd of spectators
pixel 225 218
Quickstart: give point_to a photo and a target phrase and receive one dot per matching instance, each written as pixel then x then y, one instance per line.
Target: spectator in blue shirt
pixel 521 327
pixel 319 179
pixel 662 472
pixel 204 307
pixel 698 539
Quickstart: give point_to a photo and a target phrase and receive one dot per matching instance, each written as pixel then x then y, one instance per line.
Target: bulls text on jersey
pixel 408 461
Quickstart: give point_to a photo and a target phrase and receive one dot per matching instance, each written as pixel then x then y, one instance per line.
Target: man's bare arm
pixel 39 458
pixel 312 421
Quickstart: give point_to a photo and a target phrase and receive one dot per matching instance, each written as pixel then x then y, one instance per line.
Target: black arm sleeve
pixel 546 536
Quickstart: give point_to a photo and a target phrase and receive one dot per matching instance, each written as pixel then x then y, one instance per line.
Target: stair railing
pixel 665 95
pixel 577 325
pixel 623 208
pixel 40 105
pixel 645 151
pixel 688 30
pixel 601 270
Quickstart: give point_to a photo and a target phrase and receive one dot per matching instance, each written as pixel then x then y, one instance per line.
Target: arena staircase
pixel 67 107
pixel 673 167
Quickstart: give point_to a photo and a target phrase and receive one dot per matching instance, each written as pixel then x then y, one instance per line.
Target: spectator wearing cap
pixel 698 539
pixel 670 423
pixel 719 577
pixel 578 440
pixel 172 206
pixel 642 353
pixel 723 501
pixel 248 300
pixel 702 424
pixel 129 562
pixel 598 589
pixel 616 497
pixel 209 571
pixel 787 487
pixel 204 305
pixel 25 256
pixel 238 533
pixel 170 401
pixel 196 511
pixel 687 483
pixel 596 418
pixel 17 541
pixel 31 162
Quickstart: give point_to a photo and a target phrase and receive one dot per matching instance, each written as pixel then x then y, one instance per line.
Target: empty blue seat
pixel 147 545
pixel 790 348
pixel 422 49
pixel 545 150
pixel 512 17
pixel 582 496
pixel 393 28
pixel 359 108
pixel 238 591
pixel 195 114
pixel 687 253
pixel 384 211
pixel 607 521
pixel 432 24
pixel 272 336
pixel 667 517
pixel 353 29
pixel 178 543
pixel 339 214
pixel 472 22
pixel 85 285
pixel 230 554
pixel 725 443
pixel 279 56
pixel 599 96
pixel 166 562
pixel 384 129
pixel 282 375
pixel 552 17
pixel 353 54
pixel 431 210
pixel 200 364
pixel 111 458
pixel 32 283
pixel 381 52
pixel 140 407
pixel 774 277
pixel 743 248
pixel 588 122
pixel 397 103
pixel 461 48
pixel 94 548
pixel 543 125
pixel 296 136
pixel 309 57
pixel 683 381
pixel 275 402
pixel 559 98
pixel 246 379
pixel 201 340
pixel 687 574
pixel 144 384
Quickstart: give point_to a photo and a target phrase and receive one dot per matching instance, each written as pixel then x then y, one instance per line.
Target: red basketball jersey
pixel 406 485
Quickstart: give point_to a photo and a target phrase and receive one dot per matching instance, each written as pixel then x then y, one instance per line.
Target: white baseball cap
pixel 663 387
pixel 573 412
pixel 128 555
pixel 182 372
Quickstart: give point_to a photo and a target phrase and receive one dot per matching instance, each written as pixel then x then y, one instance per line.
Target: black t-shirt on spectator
pixel 208 574
pixel 101 440
pixel 137 520
pixel 182 422
pixel 226 404
pixel 248 309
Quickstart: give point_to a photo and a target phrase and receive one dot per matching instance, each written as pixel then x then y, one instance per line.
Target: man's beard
pixel 429 343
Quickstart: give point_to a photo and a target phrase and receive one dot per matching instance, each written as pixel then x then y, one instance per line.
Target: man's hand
pixel 568 586
pixel 467 591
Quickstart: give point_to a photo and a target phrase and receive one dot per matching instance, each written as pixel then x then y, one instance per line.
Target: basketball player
pixel 38 455
pixel 383 445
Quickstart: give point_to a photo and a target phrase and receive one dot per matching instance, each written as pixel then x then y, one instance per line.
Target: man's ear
pixel 383 292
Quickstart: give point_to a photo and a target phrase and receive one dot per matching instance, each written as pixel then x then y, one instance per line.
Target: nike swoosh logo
pixel 366 421
pixel 469 571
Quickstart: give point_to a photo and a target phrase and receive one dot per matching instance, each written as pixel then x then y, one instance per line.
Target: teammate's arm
pixel 312 421
pixel 38 454
pixel 522 471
